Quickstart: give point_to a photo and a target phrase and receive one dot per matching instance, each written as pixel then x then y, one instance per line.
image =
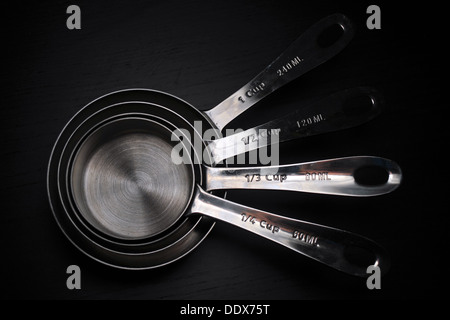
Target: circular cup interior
pixel 124 182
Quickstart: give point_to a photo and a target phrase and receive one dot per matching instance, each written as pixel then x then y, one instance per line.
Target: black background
pixel 203 51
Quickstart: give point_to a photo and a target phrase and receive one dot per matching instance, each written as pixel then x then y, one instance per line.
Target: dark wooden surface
pixel 202 51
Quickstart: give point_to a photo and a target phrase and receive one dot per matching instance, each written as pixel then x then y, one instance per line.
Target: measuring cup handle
pixel 340 176
pixel 341 110
pixel 342 250
pixel 307 52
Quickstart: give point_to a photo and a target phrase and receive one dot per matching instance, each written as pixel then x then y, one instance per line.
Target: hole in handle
pixel 330 35
pixel 359 256
pixel 357 105
pixel 371 175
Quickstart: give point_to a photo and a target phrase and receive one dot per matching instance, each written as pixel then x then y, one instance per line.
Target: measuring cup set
pixel 119 197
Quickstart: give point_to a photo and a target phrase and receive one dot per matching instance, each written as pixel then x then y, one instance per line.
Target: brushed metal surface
pixel 124 182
